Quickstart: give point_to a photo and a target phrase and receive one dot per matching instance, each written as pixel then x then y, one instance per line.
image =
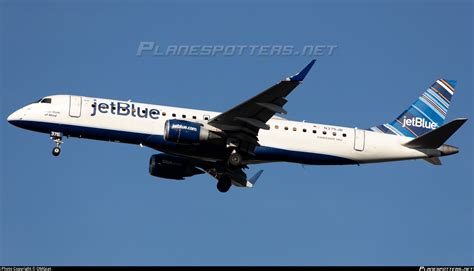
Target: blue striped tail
pixel 427 113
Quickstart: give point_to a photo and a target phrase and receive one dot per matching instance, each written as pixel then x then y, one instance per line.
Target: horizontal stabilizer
pixel 434 161
pixel 437 137
pixel 254 179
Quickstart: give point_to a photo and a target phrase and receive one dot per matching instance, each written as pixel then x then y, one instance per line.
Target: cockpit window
pixel 43 100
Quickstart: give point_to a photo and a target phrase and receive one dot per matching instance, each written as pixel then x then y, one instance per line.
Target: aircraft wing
pixel 243 121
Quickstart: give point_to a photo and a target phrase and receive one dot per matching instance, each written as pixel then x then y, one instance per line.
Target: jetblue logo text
pixel 184 127
pixel 124 109
pixel 419 122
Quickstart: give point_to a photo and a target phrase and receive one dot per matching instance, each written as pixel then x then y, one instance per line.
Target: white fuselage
pixel 138 123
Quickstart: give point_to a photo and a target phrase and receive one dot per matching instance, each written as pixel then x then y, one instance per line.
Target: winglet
pixel 302 74
pixel 254 179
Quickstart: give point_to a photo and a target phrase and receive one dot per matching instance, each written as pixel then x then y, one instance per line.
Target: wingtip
pixel 434 161
pixel 253 180
pixel 302 74
pixel 460 120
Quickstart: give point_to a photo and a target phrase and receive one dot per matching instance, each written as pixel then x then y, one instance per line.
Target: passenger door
pixel 359 139
pixel 75 104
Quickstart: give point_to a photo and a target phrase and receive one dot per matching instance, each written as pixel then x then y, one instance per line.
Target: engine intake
pixel 171 167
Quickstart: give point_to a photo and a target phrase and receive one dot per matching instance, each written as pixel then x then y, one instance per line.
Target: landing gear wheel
pixel 235 159
pixel 224 184
pixel 56 151
pixel 57 138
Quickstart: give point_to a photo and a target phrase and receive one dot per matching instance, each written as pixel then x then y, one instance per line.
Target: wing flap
pixel 273 107
pixel 254 122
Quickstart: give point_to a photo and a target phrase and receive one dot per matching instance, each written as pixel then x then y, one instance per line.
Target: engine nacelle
pixel 187 132
pixel 171 167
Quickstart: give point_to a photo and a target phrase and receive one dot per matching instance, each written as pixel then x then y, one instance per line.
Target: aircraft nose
pixel 15 116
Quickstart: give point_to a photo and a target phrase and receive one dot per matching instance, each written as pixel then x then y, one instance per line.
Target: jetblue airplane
pixel 194 142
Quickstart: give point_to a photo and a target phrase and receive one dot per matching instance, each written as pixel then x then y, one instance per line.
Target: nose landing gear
pixel 56 137
pixel 56 151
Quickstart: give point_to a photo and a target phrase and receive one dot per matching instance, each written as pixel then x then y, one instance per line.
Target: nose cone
pixel 14 117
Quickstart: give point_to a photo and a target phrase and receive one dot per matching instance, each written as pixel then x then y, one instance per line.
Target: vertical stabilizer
pixel 427 113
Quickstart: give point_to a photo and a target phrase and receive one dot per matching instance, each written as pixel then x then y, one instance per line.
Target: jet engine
pixel 187 132
pixel 171 167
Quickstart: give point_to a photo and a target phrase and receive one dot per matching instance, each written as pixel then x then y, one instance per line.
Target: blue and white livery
pixel 224 144
pixel 425 114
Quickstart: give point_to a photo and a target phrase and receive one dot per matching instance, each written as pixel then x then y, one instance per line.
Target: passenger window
pixel 294 129
pixel 304 130
pixel 334 133
pixel 194 117
pixel 344 135
pixel 286 128
pixel 163 113
pixel 324 132
pixel 314 131
pixel 276 126
pixel 206 117
pixel 46 101
pixel 174 115
pixel 184 116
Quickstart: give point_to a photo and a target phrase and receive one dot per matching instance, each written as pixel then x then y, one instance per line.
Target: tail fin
pixel 427 113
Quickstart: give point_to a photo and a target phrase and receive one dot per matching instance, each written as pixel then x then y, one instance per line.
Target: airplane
pixel 223 145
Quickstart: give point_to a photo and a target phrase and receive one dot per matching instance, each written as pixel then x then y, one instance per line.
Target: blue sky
pixel 96 203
